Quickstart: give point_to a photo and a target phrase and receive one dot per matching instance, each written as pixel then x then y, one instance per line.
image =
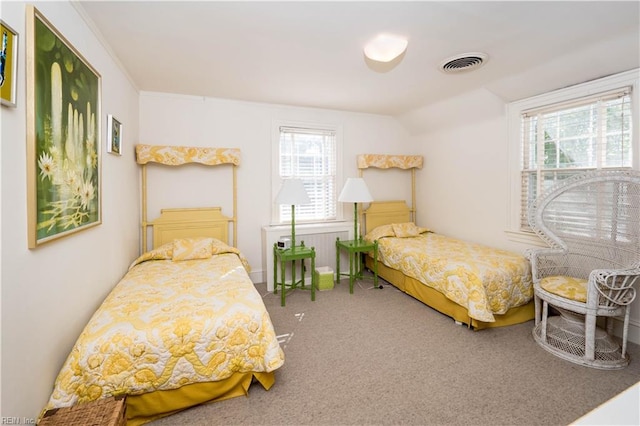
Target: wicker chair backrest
pixel 594 218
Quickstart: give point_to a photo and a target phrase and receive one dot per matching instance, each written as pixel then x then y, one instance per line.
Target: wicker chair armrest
pixel 534 254
pixel 616 285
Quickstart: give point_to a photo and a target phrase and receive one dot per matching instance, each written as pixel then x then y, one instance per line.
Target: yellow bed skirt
pixel 439 302
pixel 144 408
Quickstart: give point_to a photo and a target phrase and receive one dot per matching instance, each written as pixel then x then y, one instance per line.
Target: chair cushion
pixel 567 287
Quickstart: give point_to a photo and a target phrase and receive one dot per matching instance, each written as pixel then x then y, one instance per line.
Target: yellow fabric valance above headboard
pixel 178 155
pixel 387 161
pixel 384 161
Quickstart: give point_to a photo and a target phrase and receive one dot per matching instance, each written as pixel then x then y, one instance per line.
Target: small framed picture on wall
pixel 114 135
pixel 8 64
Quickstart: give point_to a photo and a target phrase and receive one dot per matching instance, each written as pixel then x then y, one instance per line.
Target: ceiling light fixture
pixel 385 47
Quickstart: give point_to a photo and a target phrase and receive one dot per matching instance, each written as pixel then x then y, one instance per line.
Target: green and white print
pixel 67 106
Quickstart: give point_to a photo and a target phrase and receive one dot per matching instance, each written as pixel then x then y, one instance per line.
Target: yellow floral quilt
pixel 170 323
pixel 485 280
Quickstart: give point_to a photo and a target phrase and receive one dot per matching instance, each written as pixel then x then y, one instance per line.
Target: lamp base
pixel 356 235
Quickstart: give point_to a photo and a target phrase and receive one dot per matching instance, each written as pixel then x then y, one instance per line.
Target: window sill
pixel 310 225
pixel 522 237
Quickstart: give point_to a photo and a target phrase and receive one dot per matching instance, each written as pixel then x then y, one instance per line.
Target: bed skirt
pixel 146 407
pixel 439 302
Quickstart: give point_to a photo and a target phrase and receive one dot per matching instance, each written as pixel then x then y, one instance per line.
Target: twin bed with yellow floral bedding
pixel 185 325
pixel 474 284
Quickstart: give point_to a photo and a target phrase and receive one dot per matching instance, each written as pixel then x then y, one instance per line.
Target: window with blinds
pixel 561 140
pixel 310 155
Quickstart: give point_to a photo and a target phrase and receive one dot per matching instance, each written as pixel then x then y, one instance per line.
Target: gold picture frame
pixel 114 135
pixel 63 135
pixel 8 64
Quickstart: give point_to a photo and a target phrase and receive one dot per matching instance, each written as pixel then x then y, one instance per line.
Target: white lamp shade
pixel 355 191
pixel 292 192
pixel 385 47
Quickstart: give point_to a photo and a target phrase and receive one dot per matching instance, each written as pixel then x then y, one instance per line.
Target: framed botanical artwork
pixel 8 64
pixel 114 135
pixel 63 135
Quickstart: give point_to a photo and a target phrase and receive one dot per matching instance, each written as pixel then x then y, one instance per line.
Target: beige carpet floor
pixel 379 357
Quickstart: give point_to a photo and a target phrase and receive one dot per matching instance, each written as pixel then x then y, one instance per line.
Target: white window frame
pixel 514 135
pixel 276 181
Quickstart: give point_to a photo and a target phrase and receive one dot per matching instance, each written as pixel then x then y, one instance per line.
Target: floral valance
pixel 383 161
pixel 178 155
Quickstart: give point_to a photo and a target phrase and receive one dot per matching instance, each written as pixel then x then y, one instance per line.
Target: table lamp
pixel 292 192
pixel 355 191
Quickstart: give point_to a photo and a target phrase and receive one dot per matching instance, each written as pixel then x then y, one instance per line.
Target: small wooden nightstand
pixel 292 254
pixel 356 248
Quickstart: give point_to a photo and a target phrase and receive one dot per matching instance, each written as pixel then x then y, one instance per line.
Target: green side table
pixel 356 248
pixel 292 254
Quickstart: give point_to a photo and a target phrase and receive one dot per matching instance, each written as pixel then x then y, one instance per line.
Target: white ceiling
pixel 310 53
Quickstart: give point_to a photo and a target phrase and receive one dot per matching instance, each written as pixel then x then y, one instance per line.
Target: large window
pixel 590 126
pixel 561 140
pixel 309 154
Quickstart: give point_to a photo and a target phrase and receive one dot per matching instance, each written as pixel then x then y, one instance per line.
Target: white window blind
pixel 310 154
pixel 571 137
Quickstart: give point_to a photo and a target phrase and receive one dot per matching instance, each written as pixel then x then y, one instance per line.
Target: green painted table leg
pixel 282 289
pixel 293 274
pixel 375 264
pixel 313 278
pixel 337 261
pixel 352 275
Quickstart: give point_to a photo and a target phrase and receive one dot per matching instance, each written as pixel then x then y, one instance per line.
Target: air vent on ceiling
pixel 464 62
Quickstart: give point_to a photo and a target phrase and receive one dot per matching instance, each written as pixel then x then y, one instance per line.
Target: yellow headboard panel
pixel 385 212
pixel 190 223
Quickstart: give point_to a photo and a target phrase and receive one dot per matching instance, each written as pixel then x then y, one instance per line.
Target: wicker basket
pixel 102 412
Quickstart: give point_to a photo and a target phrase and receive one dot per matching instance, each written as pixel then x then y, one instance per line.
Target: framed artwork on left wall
pixel 63 135
pixel 8 64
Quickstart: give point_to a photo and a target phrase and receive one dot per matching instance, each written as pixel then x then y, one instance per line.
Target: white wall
pixel 463 187
pixel 49 293
pixel 167 119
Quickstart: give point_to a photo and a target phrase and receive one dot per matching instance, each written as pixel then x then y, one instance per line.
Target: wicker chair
pixel 592 225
